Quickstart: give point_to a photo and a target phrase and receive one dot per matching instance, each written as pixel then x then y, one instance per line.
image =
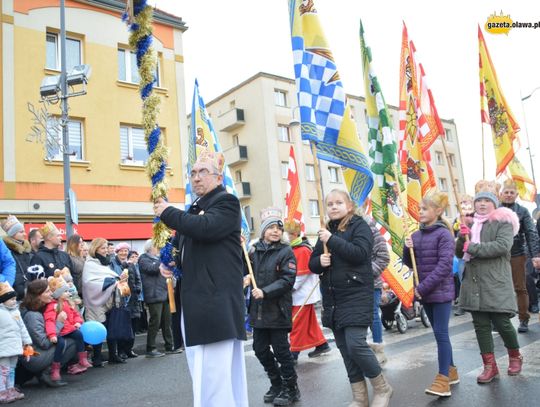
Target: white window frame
pixel 314 208
pixel 310 172
pixel 443 184
pixel 127 66
pixel 448 135
pixel 238 176
pixel 58 129
pixel 280 97
pixel 284 170
pixel 130 159
pixel 280 134
pixel 331 172
pixel 452 159
pixel 57 47
pixel 439 158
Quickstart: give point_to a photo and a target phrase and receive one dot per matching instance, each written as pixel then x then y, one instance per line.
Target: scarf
pixel 104 260
pixel 476 230
pixel 296 242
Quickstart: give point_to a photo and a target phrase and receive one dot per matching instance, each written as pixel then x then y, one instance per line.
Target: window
pixel 55 143
pixel 448 133
pixel 280 97
pixel 443 185
pixel 314 208
pixel 238 176
pixel 310 172
pixel 73 52
pixel 333 172
pixel 235 140
pixel 353 113
pixel 457 185
pixel 249 218
pixel 439 158
pixel 132 145
pixel 127 67
pixel 284 134
pixel 232 104
pixel 452 159
pixel 284 169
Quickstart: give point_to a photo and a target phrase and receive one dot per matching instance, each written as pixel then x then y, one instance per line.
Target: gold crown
pixel 64 273
pixel 509 184
pixel 5 288
pixel 47 228
pixel 217 159
pixel 440 199
pixel 487 186
pixel 293 226
pixel 56 282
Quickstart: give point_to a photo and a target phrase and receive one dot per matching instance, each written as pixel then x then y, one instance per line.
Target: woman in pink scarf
pixel 487 290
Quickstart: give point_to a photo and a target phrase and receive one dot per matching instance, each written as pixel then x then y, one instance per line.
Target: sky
pixel 229 41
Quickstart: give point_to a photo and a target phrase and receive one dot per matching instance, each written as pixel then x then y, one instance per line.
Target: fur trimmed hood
pixel 505 215
pixel 16 246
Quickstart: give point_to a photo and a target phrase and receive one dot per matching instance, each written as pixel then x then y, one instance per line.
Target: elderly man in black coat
pixel 212 295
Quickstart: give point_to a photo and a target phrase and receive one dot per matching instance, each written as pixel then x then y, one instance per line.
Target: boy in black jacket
pixel 274 268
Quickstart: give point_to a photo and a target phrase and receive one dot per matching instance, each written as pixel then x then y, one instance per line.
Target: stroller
pixel 392 310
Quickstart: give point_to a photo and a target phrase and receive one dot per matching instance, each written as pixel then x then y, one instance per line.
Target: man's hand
pixel 326 260
pixel 257 293
pixel 160 205
pixel 247 281
pixel 165 272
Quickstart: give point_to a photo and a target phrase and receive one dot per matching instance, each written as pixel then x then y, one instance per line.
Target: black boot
pixel 44 378
pixel 113 355
pixel 289 393
pixel 274 389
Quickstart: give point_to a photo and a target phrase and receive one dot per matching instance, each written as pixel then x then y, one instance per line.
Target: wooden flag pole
pixel 170 292
pixel 250 269
pixel 483 155
pixel 317 170
pixel 306 300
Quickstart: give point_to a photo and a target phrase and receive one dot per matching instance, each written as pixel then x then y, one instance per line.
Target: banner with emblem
pixel 203 136
pixel 325 115
pixel 293 199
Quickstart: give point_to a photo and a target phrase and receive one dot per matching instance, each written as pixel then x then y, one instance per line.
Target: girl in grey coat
pixel 487 290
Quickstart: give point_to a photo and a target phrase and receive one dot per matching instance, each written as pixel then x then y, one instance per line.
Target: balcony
pixel 243 189
pixel 236 155
pixel 231 120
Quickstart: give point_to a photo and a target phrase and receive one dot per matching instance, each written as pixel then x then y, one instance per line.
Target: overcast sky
pixel 229 41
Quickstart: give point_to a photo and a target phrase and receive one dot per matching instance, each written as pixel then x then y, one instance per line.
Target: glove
pixel 464 230
pixel 466 246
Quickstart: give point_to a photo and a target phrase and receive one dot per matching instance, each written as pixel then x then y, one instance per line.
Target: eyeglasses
pixel 201 174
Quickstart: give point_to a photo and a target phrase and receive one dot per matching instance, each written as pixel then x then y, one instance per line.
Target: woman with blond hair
pixel 99 284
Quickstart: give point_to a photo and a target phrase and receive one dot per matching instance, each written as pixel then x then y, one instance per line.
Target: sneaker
pixel 320 350
pixel 154 354
pixel 173 351
pixel 459 312
pixel 523 327
pixel 534 309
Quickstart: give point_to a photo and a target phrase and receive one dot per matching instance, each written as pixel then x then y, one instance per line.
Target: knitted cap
pixel 12 226
pixel 47 228
pixel 35 272
pixel 58 286
pixel 211 157
pixel 269 217
pixel 121 246
pixel 488 190
pixel 6 292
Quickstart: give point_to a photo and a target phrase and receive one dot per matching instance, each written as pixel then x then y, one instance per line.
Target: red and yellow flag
pixel 293 203
pixel 495 111
pixel 417 130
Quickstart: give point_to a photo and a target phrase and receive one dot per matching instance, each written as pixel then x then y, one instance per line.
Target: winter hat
pixel 269 217
pixel 57 285
pixel 64 273
pixel 121 246
pixel 47 228
pixel 6 292
pixel 488 190
pixel 35 272
pixel 12 226
pixel 216 159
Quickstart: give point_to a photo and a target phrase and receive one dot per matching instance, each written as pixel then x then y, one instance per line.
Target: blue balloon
pixel 93 332
pixel 455 265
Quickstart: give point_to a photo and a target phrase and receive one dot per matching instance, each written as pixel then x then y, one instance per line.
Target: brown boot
pixel 491 371
pixel 360 394
pixel 382 392
pixel 515 361
pixel 378 349
pixel 440 386
pixel 453 375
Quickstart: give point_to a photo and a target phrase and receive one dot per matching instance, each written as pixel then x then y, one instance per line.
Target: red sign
pixel 109 231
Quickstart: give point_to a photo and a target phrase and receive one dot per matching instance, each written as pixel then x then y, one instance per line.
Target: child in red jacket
pixel 63 321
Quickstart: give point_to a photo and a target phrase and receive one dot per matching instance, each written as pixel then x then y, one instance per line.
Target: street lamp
pixel 54 89
pixel 294 121
pixel 524 98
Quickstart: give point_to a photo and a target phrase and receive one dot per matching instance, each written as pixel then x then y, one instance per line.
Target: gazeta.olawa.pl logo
pixel 502 24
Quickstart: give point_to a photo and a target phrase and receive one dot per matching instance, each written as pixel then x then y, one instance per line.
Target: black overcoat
pixel 347 285
pixel 212 267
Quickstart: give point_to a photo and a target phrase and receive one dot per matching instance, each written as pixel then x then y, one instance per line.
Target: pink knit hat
pixel 121 246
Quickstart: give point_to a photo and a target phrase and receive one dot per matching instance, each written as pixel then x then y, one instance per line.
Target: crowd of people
pixel 47 294
pixel 57 290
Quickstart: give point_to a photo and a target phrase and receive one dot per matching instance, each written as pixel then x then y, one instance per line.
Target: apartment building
pixel 256 127
pixel 107 147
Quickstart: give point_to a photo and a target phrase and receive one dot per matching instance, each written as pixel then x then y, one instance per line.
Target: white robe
pixel 218 373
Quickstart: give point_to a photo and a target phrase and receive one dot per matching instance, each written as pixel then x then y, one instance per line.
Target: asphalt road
pixel 323 382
